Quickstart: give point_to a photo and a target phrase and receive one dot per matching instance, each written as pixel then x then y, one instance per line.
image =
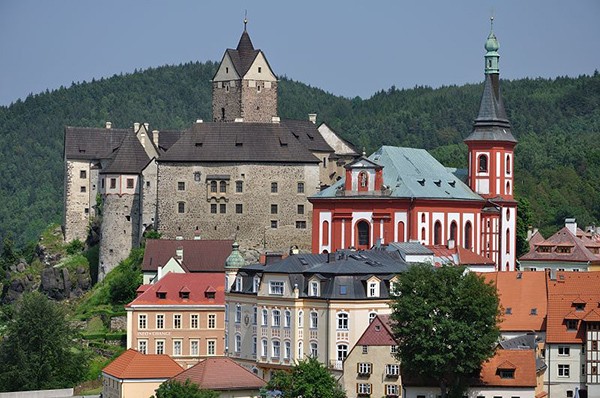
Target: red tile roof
pixel 173 283
pixel 221 373
pixel 521 361
pixel 564 237
pixel 459 255
pixel 379 332
pixel 565 293
pixel 134 365
pixel 198 255
pixel 523 296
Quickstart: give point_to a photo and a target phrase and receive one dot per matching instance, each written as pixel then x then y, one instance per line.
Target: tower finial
pixel 491 22
pixel 245 19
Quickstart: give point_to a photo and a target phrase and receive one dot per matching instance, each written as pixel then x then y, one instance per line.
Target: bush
pixel 74 247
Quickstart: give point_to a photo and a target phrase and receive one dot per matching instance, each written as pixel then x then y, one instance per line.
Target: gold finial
pixel 245 19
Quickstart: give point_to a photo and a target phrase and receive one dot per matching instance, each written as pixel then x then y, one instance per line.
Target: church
pixel 404 194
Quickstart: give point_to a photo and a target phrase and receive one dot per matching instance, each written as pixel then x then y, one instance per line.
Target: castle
pixel 246 175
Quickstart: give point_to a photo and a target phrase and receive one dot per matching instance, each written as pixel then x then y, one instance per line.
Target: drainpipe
pixel 408 219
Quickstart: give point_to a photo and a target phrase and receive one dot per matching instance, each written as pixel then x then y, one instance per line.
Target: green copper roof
pixel 491 46
pixel 235 259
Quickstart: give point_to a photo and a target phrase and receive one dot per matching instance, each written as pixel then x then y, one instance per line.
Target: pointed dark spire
pixel 245 44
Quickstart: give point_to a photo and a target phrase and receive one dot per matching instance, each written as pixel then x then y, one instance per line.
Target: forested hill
pixel 556 121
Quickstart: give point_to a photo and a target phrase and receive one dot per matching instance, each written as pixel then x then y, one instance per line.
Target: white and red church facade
pixel 404 194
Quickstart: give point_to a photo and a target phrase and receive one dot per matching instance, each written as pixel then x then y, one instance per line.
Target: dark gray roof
pixel 307 133
pixel 129 158
pixel 492 123
pixel 409 248
pixel 523 342
pixel 243 56
pixel 239 142
pixel 92 143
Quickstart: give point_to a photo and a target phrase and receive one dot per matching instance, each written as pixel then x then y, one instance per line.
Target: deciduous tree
pixel 176 389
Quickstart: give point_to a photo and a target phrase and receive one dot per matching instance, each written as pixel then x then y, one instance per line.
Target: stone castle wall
pixel 227 95
pixel 78 200
pixel 214 216
pixel 259 101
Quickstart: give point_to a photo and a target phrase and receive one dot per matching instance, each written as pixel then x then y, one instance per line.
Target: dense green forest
pixel 557 123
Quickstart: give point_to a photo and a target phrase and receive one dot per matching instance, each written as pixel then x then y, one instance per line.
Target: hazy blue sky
pixel 349 48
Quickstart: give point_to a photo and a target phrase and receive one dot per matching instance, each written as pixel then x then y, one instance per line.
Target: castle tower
pixel 244 86
pixel 233 263
pixel 491 162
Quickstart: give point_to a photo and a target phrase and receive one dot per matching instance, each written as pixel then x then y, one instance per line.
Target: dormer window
pixel 276 288
pixel 314 288
pixel 255 284
pixel 184 295
pixel 506 373
pixel 572 324
pixel 373 288
pixel 238 284
pixel 161 295
pixel 483 163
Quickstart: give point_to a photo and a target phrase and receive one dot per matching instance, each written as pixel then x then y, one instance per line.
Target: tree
pixel 309 379
pixel 176 389
pixel 39 350
pixel 445 323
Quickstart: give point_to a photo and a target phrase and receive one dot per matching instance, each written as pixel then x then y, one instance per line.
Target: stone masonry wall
pixel 259 105
pixel 253 227
pixel 76 218
pixel 148 198
pixel 227 95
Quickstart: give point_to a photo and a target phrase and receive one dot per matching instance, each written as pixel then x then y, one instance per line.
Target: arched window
pixel 468 232
pixel 423 234
pixel 401 231
pixel 342 351
pixel 363 233
pixel 507 241
pixel 507 187
pixel 483 163
pixel 363 181
pixel 213 186
pixel 423 217
pixel 222 186
pixel 453 229
pixel 507 164
pixel 325 233
pixel 222 113
pixel 437 233
pixel 342 321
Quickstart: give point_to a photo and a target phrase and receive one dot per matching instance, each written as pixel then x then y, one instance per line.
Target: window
pixel 363 388
pixel 365 349
pixel 276 288
pixel 276 348
pixel 342 321
pixel 437 233
pixel 177 321
pixel 287 319
pixel 263 348
pixel 83 188
pixel 300 187
pixel 287 350
pixel 342 351
pixel 273 209
pixel 300 318
pixel 265 317
pixel 194 321
pixel 238 343
pixel 254 315
pixel 255 284
pixel 564 351
pixel 507 164
pixel 483 164
pixel 300 224
pixel 197 176
pixel 181 186
pixel 259 69
pixel 222 208
pixel 300 209
pixel 276 318
pixel 254 346
pixel 314 288
pixel 82 174
pixel 177 347
pixel 392 370
pixel 212 321
pixel 211 347
pixel 373 289
pixel 213 208
pixel 392 390
pixel 239 186
pixel 143 346
pixel 194 347
pixel 180 207
pixel 239 208
pixel 343 290
pixel 571 324
pixel 222 186
pixel 238 284
pixel 160 347
pixel 142 321
pixel 372 316
pixel 394 349
pixel 274 224
pixel 564 370
pixel 273 187
pixel 364 368
pixel 213 186
pixel 226 312
pixel 238 313
pixel 314 349
pixel 160 321
pixel 467 240
pixel 363 233
pixel 130 183
pixel 507 373
pixel 314 319
pixel 113 183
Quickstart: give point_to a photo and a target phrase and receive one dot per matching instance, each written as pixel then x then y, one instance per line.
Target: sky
pixel 349 48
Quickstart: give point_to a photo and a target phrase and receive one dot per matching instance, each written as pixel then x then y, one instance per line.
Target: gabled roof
pixel 239 142
pixel 564 237
pixel 220 374
pixel 244 54
pixel 129 158
pixel 135 365
pixel 308 134
pixel 521 361
pixel 172 283
pixel 523 297
pixel 378 333
pixel 198 255
pixel 413 173
pixel 458 256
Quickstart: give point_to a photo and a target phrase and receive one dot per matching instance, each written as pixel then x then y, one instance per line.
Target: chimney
pixel 159 273
pixel 146 126
pixel 451 244
pixel 272 257
pixel 312 117
pixel 155 137
pixel 330 257
pixel 108 125
pixel 571 225
pixel 143 138
pixel 529 233
pixel 275 119
pixel 239 120
pixel 136 127
pixel 179 253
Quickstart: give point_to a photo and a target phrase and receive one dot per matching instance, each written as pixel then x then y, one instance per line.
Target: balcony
pixel 336 365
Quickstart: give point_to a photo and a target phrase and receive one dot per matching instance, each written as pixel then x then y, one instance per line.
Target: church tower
pixel 491 162
pixel 244 87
